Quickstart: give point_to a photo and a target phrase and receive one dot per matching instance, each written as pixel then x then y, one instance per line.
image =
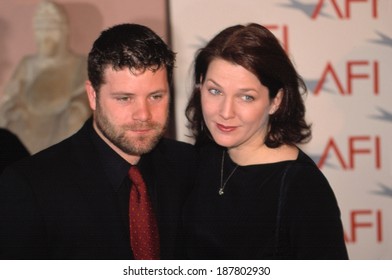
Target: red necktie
pixel 143 226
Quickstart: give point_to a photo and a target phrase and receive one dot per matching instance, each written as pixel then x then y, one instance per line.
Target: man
pixel 72 200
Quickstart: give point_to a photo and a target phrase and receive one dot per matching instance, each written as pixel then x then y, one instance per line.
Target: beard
pixel 131 145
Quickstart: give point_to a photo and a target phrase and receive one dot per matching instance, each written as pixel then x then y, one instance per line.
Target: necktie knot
pixel 135 175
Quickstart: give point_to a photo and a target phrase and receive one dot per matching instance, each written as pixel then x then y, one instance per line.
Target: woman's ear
pixel 276 102
pixel 201 80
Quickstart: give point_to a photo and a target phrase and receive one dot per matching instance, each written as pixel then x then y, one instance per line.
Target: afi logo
pixel 344 10
pixel 364 220
pixel 355 70
pixel 372 150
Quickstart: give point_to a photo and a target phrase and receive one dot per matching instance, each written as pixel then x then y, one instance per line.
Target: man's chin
pixel 141 145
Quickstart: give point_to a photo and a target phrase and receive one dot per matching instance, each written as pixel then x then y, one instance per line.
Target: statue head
pixel 51 28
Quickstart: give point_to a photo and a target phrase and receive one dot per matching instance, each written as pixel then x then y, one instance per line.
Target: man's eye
pixel 123 98
pixel 156 96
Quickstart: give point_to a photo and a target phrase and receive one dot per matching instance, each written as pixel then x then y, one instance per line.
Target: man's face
pixel 131 110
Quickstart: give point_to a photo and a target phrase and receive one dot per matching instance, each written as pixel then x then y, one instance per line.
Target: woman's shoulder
pixel 305 160
pixel 305 172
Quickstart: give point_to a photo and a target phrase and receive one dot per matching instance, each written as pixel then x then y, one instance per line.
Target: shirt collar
pixel 115 167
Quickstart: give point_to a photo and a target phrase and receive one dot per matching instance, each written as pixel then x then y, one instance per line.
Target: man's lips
pixel 141 128
pixel 141 131
pixel 225 128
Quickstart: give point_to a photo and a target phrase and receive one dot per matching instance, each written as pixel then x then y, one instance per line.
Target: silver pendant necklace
pixel 223 184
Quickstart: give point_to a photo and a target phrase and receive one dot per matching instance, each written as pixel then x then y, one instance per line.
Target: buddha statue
pixel 44 102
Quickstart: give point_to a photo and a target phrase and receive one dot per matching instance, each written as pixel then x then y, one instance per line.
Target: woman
pixel 258 195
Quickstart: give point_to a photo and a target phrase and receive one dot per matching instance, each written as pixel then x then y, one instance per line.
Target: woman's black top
pixel 283 210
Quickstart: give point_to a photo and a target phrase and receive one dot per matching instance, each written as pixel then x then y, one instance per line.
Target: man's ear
pixel 91 94
pixel 276 102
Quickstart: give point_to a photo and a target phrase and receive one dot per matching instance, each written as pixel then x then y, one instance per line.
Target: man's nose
pixel 142 111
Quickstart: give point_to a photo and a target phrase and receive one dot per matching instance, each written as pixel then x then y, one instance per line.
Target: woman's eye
pixel 214 91
pixel 247 98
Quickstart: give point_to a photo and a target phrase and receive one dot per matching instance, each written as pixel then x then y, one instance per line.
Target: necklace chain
pixel 223 184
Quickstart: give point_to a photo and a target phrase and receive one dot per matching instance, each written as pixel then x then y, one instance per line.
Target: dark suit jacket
pixel 58 204
pixel 11 149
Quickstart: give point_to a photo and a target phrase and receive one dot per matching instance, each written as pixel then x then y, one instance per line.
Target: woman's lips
pixel 225 128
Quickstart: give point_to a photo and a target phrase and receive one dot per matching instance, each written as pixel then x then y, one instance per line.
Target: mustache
pixel 142 126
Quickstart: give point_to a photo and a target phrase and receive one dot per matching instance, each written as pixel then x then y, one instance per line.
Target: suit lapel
pixel 99 195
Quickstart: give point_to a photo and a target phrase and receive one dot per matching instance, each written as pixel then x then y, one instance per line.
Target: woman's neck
pixel 262 154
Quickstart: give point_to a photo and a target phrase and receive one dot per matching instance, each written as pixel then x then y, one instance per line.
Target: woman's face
pixel 235 105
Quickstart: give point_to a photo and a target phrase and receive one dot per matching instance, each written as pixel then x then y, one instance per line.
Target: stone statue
pixel 45 102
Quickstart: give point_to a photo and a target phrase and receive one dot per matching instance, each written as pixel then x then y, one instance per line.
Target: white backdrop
pixel 343 50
